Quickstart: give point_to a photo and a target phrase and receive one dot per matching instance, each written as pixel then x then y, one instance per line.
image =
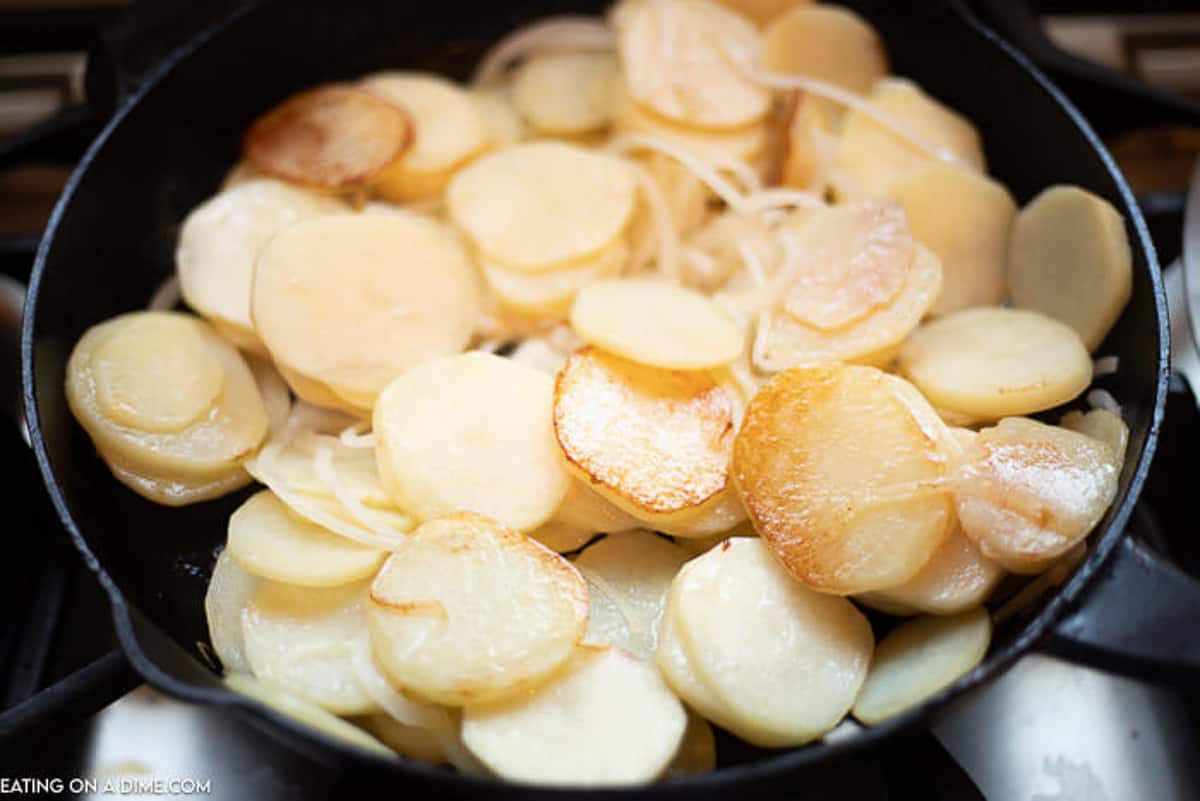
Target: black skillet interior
pixel 111 244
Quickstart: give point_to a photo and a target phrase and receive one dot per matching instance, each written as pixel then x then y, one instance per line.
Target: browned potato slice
pixel 763 11
pixel 869 156
pixel 1101 425
pixel 965 218
pixel 333 137
pixel 564 94
pixel 842 470
pixel 652 441
pixel 828 42
pixel 1028 492
pixel 991 362
pixel 453 641
pixel 1070 259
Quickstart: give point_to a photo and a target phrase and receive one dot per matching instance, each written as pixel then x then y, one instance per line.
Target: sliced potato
pixel 830 43
pixel 691 82
pixel 466 611
pixel 355 300
pixel 334 137
pixel 697 752
pixel 719 513
pixel 1102 425
pixel 957 577
pixel 1070 259
pixel 655 323
pixel 277 400
pixel 1027 492
pixel 302 637
pixel 492 410
pixel 317 393
pixel 991 362
pixel 965 218
pixel 605 719
pixel 648 440
pixel 746 142
pixel 542 205
pixel 585 508
pixel 549 294
pixel 566 93
pixel 674 660
pixel 221 239
pixel 562 537
pixel 505 126
pixel 269 540
pixel 449 129
pixel 808 146
pixel 760 12
pixel 870 156
pixel 919 658
pixel 787 661
pixel 229 591
pixel 172 488
pixel 414 742
pixel 843 471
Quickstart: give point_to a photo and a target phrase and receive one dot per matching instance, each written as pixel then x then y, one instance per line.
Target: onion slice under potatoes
pixel 564 33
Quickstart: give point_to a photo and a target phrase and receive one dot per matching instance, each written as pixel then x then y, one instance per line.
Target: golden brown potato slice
pixel 919 658
pixel 830 43
pixel 229 590
pixel 842 470
pixel 355 300
pixel 1027 492
pixel 1070 259
pixel 565 94
pixel 334 137
pixel 452 641
pixel 1101 425
pixel 763 11
pixel 689 82
pixel 651 441
pixel 870 156
pixel 448 127
pixel 991 362
pixel 549 294
pixel 965 218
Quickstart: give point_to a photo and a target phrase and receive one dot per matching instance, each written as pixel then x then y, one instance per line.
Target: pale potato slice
pixel 965 218
pixel 830 43
pixel 317 393
pixel 292 464
pixel 746 142
pixel 449 129
pixel 919 658
pixel 955 579
pixel 1027 492
pixel 653 442
pixel 288 703
pixel 992 362
pixel 355 300
pixel 414 742
pixel 542 205
pixel 229 591
pixel 605 719
pixel 657 324
pixel 566 93
pixel 870 156
pixel 782 341
pixel 1070 259
pixel 561 537
pixel 302 638
pixel 690 82
pixel 269 540
pixel 466 611
pixel 504 125
pixel 843 472
pixel 492 410
pixel 634 569
pixel 763 11
pixel 1102 425
pixel 719 513
pixel 584 508
pixel 787 661
pixel 221 239
pixel 334 137
pixel 277 400
pixel 172 488
pixel 549 294
pixel 808 146
pixel 674 660
pixel 697 752
pixel 227 428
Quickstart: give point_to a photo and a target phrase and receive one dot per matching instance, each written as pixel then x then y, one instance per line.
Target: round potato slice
pixel 277 400
pixel 808 146
pixel 651 441
pixel 566 93
pixel 489 411
pixel 992 362
pixel 229 592
pixel 562 537
pixel 221 239
pixel 746 142
pixel 585 508
pixel 301 638
pixel 678 668
pixel 355 300
pixel 657 324
pixel 449 126
pixel 606 624
pixel 870 156
pixel 605 719
pixel 542 205
pixel 1070 259
pixel 843 472
pixel 549 294
pixel 1027 492
pixel 1102 425
pixel 171 488
pixel 957 578
pixel 505 126
pixel 965 218
pixel 920 657
pixel 697 752
pixel 334 137
pixel 317 393
pixel 269 540
pixel 466 611
pixel 787 661
pixel 829 43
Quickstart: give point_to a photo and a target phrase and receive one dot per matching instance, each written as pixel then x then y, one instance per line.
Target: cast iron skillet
pixel 111 240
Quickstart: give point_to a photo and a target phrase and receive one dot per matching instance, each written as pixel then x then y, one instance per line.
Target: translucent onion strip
pixel 702 170
pixel 553 34
pixel 167 296
pixel 354 437
pixel 1103 399
pixel 666 236
pixel 1105 365
pixel 327 473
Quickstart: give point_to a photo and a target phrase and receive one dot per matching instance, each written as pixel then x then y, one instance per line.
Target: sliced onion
pixel 353 436
pixel 552 34
pixel 698 167
pixel 1105 365
pixel 666 236
pixel 1103 399
pixel 327 473
pixel 167 296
